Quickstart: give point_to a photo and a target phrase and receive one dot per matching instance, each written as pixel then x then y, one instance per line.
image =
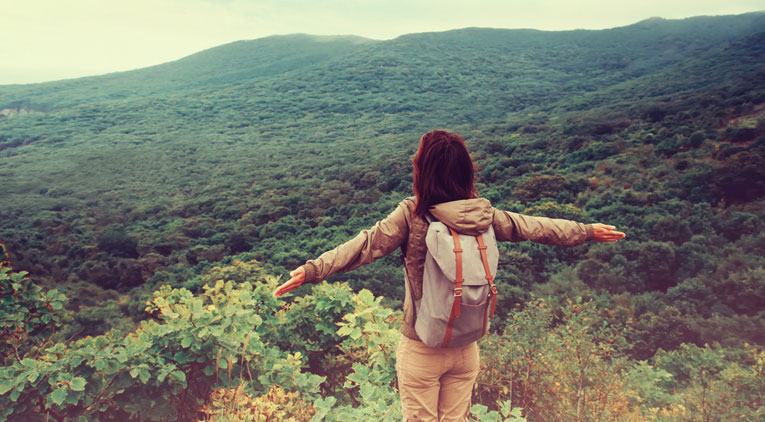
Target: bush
pixel 118 243
pixel 163 369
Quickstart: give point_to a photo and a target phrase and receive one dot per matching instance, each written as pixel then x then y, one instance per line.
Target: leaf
pixel 59 395
pixel 356 333
pixel 77 384
pixel 144 375
pixel 180 376
pixel 323 407
pixel 181 357
pixel 366 296
pixel 76 361
pixel 186 342
pixel 32 376
pixel 73 397
pixel 6 386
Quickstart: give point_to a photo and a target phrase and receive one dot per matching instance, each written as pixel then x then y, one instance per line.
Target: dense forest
pixel 147 216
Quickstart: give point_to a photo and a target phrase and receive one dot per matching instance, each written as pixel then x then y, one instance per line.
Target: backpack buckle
pixel 457 291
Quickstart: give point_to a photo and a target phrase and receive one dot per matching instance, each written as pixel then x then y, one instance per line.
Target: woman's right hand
pixel 606 233
pixel 297 278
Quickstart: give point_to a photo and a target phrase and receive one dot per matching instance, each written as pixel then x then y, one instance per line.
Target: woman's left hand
pixel 606 233
pixel 297 278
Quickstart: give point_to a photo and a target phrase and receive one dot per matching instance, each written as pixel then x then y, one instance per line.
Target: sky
pixel 43 40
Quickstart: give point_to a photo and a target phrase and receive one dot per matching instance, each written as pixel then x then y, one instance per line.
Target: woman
pixel 436 384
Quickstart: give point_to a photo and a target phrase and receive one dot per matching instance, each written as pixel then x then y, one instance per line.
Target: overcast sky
pixel 43 40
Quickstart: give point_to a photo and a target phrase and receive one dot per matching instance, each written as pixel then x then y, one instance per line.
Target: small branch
pixel 16 353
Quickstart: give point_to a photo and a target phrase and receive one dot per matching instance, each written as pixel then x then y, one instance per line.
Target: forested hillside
pixel 277 149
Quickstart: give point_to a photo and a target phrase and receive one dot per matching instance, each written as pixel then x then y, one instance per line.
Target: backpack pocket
pixel 473 320
pixel 434 312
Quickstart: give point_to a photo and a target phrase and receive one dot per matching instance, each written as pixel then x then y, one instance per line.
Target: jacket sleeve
pixel 509 226
pixel 383 238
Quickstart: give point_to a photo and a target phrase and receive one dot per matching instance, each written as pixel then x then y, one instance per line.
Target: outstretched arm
pixel 369 245
pixel 513 227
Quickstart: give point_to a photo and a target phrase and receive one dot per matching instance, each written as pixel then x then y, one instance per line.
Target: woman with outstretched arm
pixel 435 384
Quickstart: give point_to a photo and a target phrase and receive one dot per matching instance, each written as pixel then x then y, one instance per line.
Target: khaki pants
pixel 436 385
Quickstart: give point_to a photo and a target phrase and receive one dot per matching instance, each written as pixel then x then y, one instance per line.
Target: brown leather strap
pixel 455 313
pixel 489 277
pixel 485 319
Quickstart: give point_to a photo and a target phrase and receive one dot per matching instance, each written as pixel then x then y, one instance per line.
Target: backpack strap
pixel 457 288
pixel 489 277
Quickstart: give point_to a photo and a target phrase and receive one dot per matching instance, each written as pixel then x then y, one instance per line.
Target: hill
pixel 282 147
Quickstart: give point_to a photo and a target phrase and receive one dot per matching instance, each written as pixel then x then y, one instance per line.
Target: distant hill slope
pixel 430 61
pixel 237 62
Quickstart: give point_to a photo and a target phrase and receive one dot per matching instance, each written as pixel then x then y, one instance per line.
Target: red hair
pixel 443 171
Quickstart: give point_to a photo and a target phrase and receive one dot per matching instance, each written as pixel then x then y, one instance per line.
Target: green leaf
pixel 180 376
pixel 6 386
pixel 74 397
pixel 144 376
pixel 76 361
pixel 77 384
pixel 121 357
pixel 323 407
pixel 32 376
pixel 186 342
pixel 181 357
pixel 59 395
pixel 356 333
pixel 366 296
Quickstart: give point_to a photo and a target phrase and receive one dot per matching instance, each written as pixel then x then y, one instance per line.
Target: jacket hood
pixel 467 216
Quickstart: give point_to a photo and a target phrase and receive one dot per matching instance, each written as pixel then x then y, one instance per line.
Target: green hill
pixel 282 147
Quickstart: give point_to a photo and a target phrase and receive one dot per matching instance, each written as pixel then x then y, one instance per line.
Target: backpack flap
pixel 441 247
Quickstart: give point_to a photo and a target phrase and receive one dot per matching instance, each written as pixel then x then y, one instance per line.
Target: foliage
pixel 213 357
pixel 235 405
pixel 565 365
pixel 29 316
pixel 118 243
pixel 165 368
pixel 712 387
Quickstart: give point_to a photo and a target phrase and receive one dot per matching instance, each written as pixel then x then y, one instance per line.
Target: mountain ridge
pixel 744 21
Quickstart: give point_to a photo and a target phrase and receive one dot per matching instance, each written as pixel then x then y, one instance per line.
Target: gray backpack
pixel 458 291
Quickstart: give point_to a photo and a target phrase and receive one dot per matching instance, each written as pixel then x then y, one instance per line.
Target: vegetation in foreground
pixel 234 352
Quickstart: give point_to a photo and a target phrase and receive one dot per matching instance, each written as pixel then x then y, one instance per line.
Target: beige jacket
pixel 403 229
